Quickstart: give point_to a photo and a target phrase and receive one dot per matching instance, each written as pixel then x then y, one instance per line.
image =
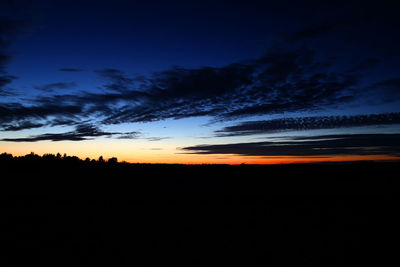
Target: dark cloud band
pixel 325 145
pixel 81 132
pixel 308 123
pixel 55 86
pixel 70 70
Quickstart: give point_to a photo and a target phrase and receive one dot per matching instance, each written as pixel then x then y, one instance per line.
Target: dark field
pixel 77 213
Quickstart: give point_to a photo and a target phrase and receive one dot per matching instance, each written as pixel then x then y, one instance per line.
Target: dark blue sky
pixel 143 36
pixel 86 70
pixel 140 36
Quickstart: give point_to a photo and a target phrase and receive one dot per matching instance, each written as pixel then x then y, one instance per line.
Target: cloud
pixel 15 112
pixel 37 123
pixel 9 30
pixel 324 145
pixel 15 19
pixel 22 126
pixel 277 82
pixel 307 123
pixel 4 81
pixel 116 80
pixel 389 90
pixel 70 70
pixel 129 135
pixel 50 87
pixel 283 80
pixel 63 122
pixel 157 138
pixel 280 81
pixel 82 132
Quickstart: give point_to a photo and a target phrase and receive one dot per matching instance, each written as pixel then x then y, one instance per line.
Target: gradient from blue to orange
pixel 66 44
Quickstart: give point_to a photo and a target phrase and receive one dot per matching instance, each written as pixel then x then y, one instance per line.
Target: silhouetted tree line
pixel 54 157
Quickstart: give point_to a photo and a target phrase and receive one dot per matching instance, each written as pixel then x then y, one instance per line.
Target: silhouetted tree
pixel 49 156
pixel 32 156
pixel 101 159
pixel 74 159
pixel 5 156
pixel 113 160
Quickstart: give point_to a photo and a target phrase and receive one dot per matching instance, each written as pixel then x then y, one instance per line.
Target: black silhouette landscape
pixel 63 210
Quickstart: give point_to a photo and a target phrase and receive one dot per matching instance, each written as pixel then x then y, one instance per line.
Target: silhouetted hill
pixel 62 210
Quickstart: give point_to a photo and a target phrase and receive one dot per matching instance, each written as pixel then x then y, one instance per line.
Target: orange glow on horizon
pixel 166 152
pixel 193 159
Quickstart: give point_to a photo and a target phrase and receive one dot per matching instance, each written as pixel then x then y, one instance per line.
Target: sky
pixel 231 82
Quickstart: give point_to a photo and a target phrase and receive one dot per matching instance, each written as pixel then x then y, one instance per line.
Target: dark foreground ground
pixel 76 213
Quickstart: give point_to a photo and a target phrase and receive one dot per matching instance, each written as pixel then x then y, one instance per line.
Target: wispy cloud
pixel 325 145
pixel 50 87
pixel 277 82
pixel 389 90
pixel 4 81
pixel 157 138
pixel 21 126
pixel 307 123
pixel 280 81
pixel 70 70
pixel 16 112
pixel 81 132
pixel 9 30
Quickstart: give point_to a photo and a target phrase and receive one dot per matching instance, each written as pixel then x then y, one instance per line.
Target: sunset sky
pixel 201 81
